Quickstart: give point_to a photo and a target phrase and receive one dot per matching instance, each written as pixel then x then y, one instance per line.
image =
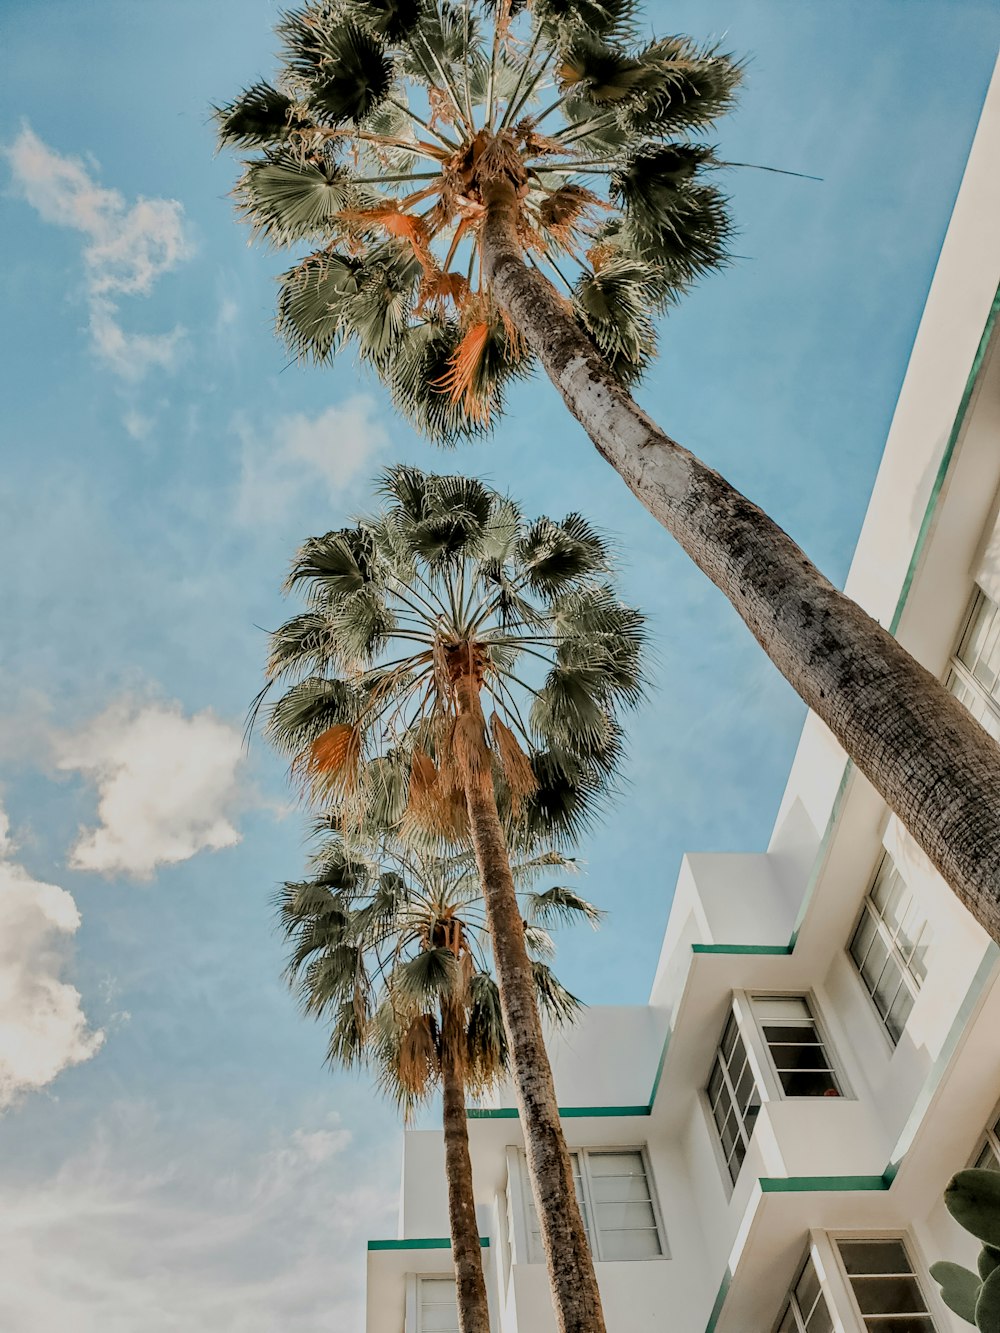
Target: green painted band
pixel 742 948
pixel 565 1112
pixel 420 1243
pixel 946 457
pixel 720 1300
pixel 816 1184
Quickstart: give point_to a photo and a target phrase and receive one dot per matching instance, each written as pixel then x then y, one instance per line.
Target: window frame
pixel 934 1307
pixel 812 1257
pixel 956 667
pixel 746 1029
pixel 414 1303
pixel 774 1089
pixel 589 1217
pixel 989 1138
pixel 869 909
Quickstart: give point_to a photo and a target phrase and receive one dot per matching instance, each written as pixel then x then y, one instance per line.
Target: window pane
pixel 438 1306
pixel 875 961
pixel 619 1189
pixel 804 1055
pixel 788 1323
pixel 781 1009
pixel 821 1321
pixel 887 986
pixel 745 1089
pixel 899 1013
pixel 616 1164
pixel 715 1084
pixel 863 937
pixel 616 1245
pixel 809 1083
pixel 807 1290
pixel 987 1159
pixel 624 1216
pixel 874 1256
pixel 729 1037
pixel 888 1295
pixel 900 1324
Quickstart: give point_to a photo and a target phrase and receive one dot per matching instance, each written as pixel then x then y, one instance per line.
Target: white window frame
pixel 583 1155
pixel 760 1072
pixel 913 985
pixel 956 667
pixel 989 1138
pixel 816 1257
pixel 773 1090
pixel 935 1308
pixel 413 1320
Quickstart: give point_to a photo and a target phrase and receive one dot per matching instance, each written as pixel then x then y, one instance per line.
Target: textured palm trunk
pixel 466 1253
pixel 575 1297
pixel 922 751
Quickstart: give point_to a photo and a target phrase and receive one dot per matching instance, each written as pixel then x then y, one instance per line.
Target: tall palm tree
pixel 486 182
pixel 391 949
pixel 442 600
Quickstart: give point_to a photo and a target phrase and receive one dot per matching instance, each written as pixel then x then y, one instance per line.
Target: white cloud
pixel 43 1028
pixel 137 424
pixel 209 1235
pixel 300 453
pixel 167 786
pixel 128 246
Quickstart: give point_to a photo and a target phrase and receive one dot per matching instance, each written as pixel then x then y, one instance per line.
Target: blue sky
pixel 174 1155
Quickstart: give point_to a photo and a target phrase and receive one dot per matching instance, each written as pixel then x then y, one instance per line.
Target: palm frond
pixel 286 198
pixel 555 1001
pixel 260 117
pixel 559 905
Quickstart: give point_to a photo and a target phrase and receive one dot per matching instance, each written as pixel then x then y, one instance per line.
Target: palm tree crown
pixel 443 598
pixel 387 123
pixel 385 945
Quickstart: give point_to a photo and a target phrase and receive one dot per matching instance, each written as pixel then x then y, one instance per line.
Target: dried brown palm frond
pixel 518 773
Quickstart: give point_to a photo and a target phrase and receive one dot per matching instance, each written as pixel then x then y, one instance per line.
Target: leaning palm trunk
pixel 918 746
pixel 570 1264
pixel 473 1311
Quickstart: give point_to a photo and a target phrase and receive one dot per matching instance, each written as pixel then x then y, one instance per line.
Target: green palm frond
pixel 559 905
pixel 287 199
pixel 259 118
pixel 378 141
pixel 555 1001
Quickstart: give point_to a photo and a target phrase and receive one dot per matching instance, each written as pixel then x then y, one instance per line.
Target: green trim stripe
pixel 820 1184
pixel 565 1112
pixel 421 1243
pixel 742 948
pixel 720 1300
pixel 946 457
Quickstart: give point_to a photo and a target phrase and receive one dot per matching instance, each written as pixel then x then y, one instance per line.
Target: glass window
pixel 613 1190
pixel 438 1302
pixel 987 1155
pixel 885 1287
pixel 806 1310
pixel 974 674
pixel 889 947
pixel 801 1060
pixel 733 1097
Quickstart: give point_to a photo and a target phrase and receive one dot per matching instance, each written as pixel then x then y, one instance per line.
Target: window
pixel 807 1310
pixel 974 671
pixel 987 1155
pixel 437 1304
pixel 885 1287
pixel 615 1197
pixel 796 1047
pixel 889 946
pixel 733 1097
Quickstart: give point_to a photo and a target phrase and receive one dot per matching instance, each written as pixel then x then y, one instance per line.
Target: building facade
pixel 764 1145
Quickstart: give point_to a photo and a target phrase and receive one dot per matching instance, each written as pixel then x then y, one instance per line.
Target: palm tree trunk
pixel 575 1297
pixel 918 746
pixel 466 1253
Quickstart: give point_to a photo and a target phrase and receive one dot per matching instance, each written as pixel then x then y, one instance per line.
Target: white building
pixel 765 1144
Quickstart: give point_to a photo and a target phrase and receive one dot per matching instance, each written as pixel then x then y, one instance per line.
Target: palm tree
pixel 490 183
pixel 442 599
pixel 391 949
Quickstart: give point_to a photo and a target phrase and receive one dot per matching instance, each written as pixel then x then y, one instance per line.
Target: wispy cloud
pixel 168 786
pixel 217 1237
pixel 299 453
pixel 128 247
pixel 43 1028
